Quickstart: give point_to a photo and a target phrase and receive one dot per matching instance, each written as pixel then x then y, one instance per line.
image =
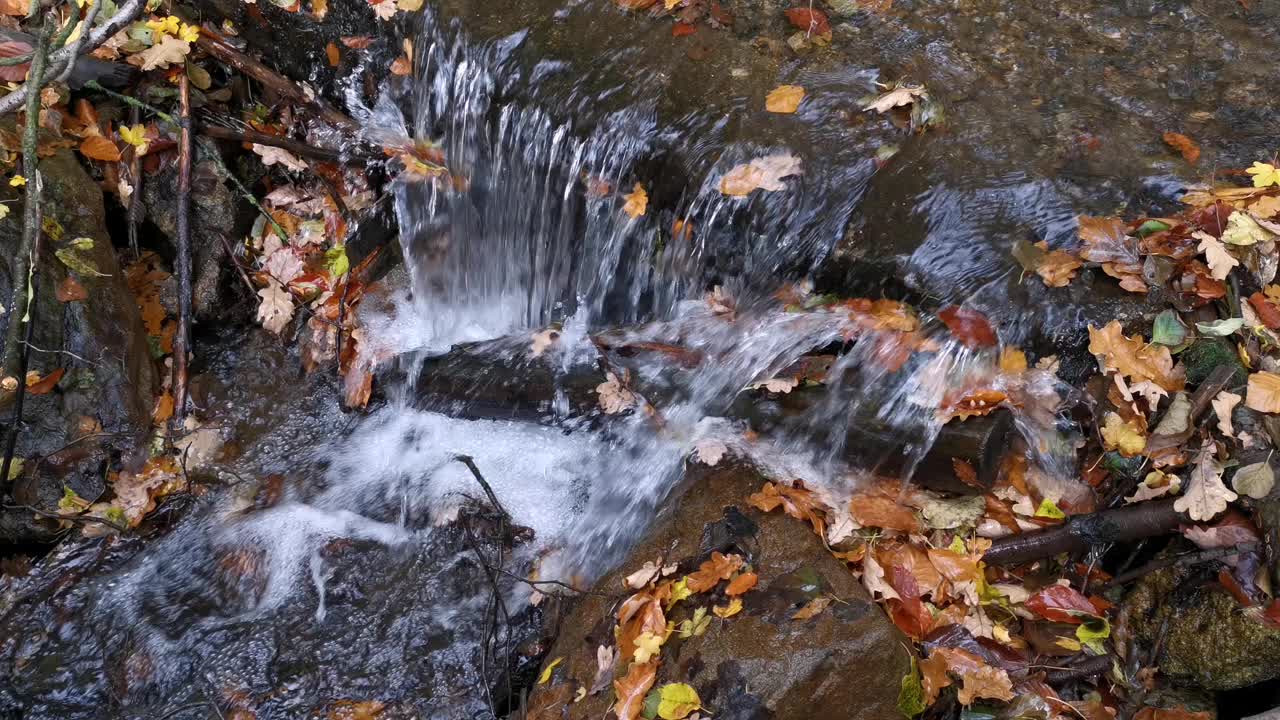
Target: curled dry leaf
pixel 784 99
pixel 1264 392
pixel 897 97
pixel 645 575
pixel 709 451
pixel 637 202
pixel 274 155
pixel 542 340
pixel 1205 495
pixel 614 397
pixel 764 173
pixel 977 678
pixel 1223 404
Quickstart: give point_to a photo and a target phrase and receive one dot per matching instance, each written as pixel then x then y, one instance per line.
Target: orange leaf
pixel 976 403
pixel 813 22
pixel 402 66
pixel 1268 313
pixel 631 689
pixel 874 510
pixel 969 326
pixel 69 290
pixel 977 678
pixel 46 383
pixel 798 502
pixel 682 29
pixel 1133 357
pixel 719 567
pixel 741 584
pixel 98 147
pixel 334 56
pixel 163 409
pixel 1183 144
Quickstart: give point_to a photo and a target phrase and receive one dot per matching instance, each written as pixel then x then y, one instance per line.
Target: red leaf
pixel 10 49
pixel 1233 586
pixel 1269 314
pixel 681 29
pixel 69 290
pixel 1183 144
pixel 813 22
pixel 46 383
pixel 911 616
pixel 1061 604
pixel 1272 614
pixel 970 327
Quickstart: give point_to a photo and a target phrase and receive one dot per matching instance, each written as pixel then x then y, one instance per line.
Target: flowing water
pixel 373 569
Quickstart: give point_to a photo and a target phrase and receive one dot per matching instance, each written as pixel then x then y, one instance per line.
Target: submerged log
pixel 499 381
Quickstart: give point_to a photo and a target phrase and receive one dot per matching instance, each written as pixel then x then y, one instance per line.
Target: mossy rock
pixel 1210 642
pixel 1206 354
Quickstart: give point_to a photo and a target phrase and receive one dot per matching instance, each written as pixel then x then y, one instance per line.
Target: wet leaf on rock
pixel 676 701
pixel 631 689
pixel 710 573
pixel 545 677
pixel 784 99
pixel 813 608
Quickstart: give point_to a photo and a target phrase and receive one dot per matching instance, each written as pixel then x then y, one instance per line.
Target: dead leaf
pixel 1205 495
pixel 1264 392
pixel 710 573
pixel 813 608
pixel 630 690
pixel 606 656
pixel 357 42
pixel 1122 435
pixel 334 56
pixel 276 308
pixel 98 147
pixel 543 340
pixel 69 290
pixel 741 584
pixel 897 97
pixel 1219 260
pixel 784 99
pixel 274 155
pixel 970 327
pixel 798 502
pixel 813 22
pixel 709 451
pixel 875 510
pixel 637 201
pixel 1057 268
pixel 1183 144
pixel 46 384
pixel 1223 404
pixel 1133 357
pixel 645 575
pixel 167 51
pixel 978 679
pixel 613 396
pixel 760 174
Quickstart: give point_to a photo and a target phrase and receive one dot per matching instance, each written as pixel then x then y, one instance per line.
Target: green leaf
pixel 676 701
pixel 78 262
pixel 199 76
pixel 1092 632
pixel 1254 480
pixel 1151 227
pixel 1220 328
pixel 335 258
pixel 911 694
pixel 1168 329
pixel 651 702
pixel 15 469
pixel 697 626
pixel 546 672
pixel 1048 509
pixel 115 514
pixel 71 502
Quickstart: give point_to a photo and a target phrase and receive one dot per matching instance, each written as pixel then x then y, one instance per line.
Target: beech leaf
pixel 1264 392
pixel 630 690
pixel 1254 480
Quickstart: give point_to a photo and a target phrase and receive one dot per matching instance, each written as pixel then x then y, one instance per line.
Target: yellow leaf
pixel 17 181
pixel 546 672
pixel 1264 392
pixel 1122 436
pixel 676 701
pixel 733 608
pixel 679 591
pixel 1012 360
pixel 190 33
pixel 409 5
pixel 1264 174
pixel 784 99
pixel 1243 230
pixel 647 645
pixel 167 51
pixel 165 26
pixel 4 211
pixel 671 4
pixel 697 626
pixel 135 136
pixel 637 202
pixel 1050 509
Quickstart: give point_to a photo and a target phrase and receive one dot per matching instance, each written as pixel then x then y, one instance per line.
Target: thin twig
pixel 24 262
pixel 79 519
pixel 182 339
pixel 1190 558
pixel 80 41
pixel 134 215
pixel 125 15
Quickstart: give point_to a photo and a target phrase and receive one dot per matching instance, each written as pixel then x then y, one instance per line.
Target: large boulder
pixel 847 661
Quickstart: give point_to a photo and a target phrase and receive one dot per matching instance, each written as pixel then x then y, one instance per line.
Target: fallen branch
pixel 79 41
pixel 182 339
pixel 77 519
pixel 297 147
pixel 25 260
pixel 1184 559
pixel 218 47
pixel 1079 532
pixel 67 56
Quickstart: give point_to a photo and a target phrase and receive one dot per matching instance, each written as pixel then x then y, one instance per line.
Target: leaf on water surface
pixel 631 689
pixel 1057 268
pixel 1183 144
pixel 1264 392
pixel 813 608
pixel 978 679
pixel 1223 404
pixel 970 327
pixel 760 174
pixel 896 97
pixel 727 611
pixel 784 99
pixel 637 201
pixel 1205 495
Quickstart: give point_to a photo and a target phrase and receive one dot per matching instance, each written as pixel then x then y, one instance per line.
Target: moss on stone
pixel 1206 354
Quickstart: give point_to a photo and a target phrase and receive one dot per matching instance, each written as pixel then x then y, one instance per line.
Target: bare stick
pixel 24 263
pixel 58 60
pixel 182 339
pixel 1131 522
pixel 297 147
pixel 79 42
pixel 78 519
pixel 135 198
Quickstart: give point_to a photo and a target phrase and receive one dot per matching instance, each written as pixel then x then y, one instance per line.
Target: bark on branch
pixel 1079 532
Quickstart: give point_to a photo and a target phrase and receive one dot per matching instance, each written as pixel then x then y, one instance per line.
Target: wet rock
pixel 1206 640
pixel 760 663
pixel 99 342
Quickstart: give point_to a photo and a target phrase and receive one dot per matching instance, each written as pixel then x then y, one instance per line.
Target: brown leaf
pixel 764 173
pixel 719 567
pixel 970 327
pixel 98 147
pixel 965 473
pixel 1152 713
pixel 1133 357
pixel 14 7
pixel 44 385
pixel 1183 144
pixel 357 42
pixel 163 409
pixel 973 403
pixel 1264 392
pixel 875 510
pixel 1268 313
pixel 813 22
pixel 1057 268
pixel 631 689
pixel 741 584
pixel 402 66
pixel 356 710
pixel 69 290
pixel 978 679
pixel 798 502
pixel 813 608
pixel 1107 240
pixel 331 52
pixel 784 99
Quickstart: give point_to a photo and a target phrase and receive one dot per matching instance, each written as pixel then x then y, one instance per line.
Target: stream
pixel 341 559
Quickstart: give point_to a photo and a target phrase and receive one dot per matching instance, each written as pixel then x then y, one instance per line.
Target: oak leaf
pixel 1223 403
pixel 897 97
pixel 276 308
pixel 798 502
pixel 719 567
pixel 1107 240
pixel 1205 495
pixel 1133 357
pixel 977 678
pixel 631 689
pixel 167 51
